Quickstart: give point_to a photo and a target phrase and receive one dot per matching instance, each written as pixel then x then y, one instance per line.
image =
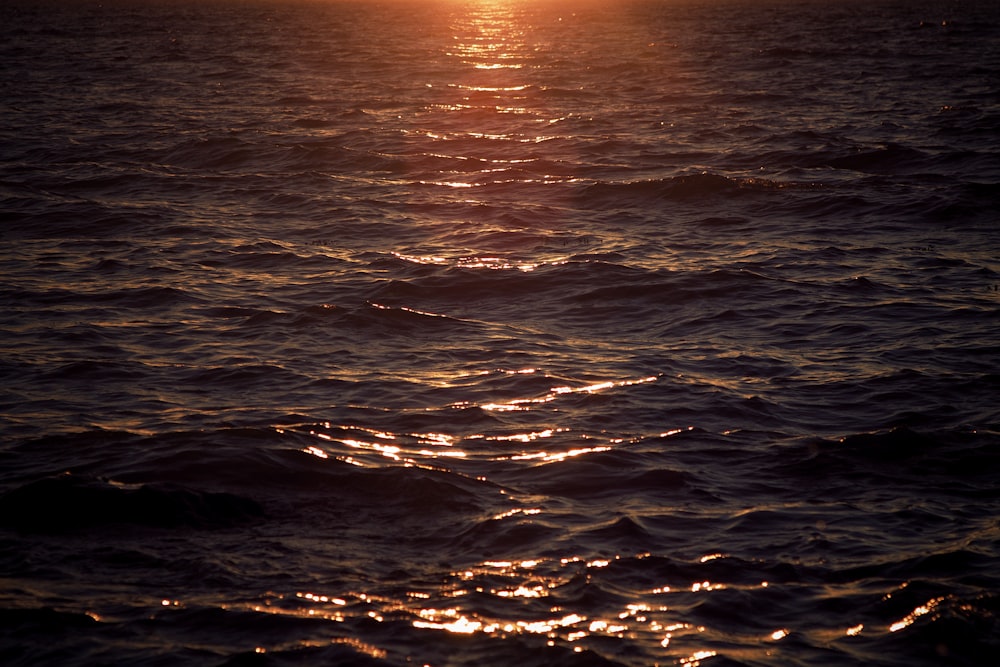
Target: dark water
pixel 500 333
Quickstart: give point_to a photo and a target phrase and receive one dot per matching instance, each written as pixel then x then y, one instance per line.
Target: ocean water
pixel 500 332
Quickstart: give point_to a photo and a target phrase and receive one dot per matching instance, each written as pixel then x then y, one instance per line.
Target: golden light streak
pixel 526 437
pixel 492 89
pixel 439 439
pixel 513 512
pixel 522 404
pixel 559 456
pixel 312 597
pixel 706 586
pixel 524 592
pixel 496 264
pixel 450 620
pixel 421 259
pixel 910 618
pixel 695 658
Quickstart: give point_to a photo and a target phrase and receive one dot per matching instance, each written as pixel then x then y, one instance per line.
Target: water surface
pixel 492 333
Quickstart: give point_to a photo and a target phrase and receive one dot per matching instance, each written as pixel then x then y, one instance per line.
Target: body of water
pixel 500 333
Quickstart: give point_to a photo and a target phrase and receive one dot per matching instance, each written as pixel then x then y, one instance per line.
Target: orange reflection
pixel 910 618
pixel 695 658
pixel 550 457
pixel 525 437
pixel 511 513
pixel 350 444
pixel 534 580
pixel 519 588
pixel 490 46
pixel 521 404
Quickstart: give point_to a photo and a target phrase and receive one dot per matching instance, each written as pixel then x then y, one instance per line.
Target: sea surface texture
pixel 500 333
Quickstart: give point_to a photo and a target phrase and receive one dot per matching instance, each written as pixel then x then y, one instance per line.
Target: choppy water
pixel 500 333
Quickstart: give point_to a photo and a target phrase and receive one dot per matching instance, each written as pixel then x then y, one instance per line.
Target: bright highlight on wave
pixel 555 392
pixel 366 446
pixel 919 611
pixel 522 582
pixel 442 332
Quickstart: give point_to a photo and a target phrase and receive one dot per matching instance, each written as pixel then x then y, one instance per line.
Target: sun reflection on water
pixel 535 580
pixel 919 611
pixel 522 404
pixel 486 106
pixel 530 599
pixel 361 445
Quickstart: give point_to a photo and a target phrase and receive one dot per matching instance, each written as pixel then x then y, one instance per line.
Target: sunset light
pixel 402 333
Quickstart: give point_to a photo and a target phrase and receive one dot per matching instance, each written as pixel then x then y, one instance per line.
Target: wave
pixel 449 333
pixel 681 188
pixel 71 502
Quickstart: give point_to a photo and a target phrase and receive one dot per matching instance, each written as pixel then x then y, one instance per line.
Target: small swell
pixel 680 188
pixel 887 160
pixel 72 502
pixel 603 473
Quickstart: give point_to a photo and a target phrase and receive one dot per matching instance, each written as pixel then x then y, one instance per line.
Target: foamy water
pixel 492 333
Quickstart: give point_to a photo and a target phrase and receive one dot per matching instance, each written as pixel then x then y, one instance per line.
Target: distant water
pixel 496 333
